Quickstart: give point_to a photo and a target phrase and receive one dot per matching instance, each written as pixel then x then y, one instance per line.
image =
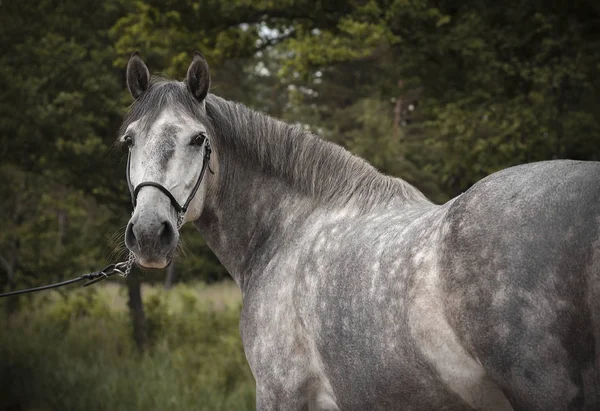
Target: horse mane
pixel 306 162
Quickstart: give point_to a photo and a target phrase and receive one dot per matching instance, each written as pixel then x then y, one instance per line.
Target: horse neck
pixel 249 219
pixel 272 177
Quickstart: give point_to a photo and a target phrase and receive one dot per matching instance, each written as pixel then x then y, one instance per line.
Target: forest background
pixel 440 93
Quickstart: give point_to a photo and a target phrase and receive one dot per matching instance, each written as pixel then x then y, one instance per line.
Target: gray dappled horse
pixel 358 292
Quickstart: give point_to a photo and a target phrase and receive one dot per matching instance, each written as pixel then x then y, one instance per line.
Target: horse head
pixel 168 136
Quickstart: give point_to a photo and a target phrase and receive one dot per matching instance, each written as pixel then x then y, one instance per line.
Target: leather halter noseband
pixel 181 209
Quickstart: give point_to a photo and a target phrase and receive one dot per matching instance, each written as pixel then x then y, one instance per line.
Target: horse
pixel 358 292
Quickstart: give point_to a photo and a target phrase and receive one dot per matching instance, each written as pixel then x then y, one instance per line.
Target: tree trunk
pixel 171 272
pixel 136 310
pixel 12 304
pixel 398 111
pixel 63 226
pixel 561 97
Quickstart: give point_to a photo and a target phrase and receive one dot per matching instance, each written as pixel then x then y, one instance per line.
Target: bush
pixel 77 353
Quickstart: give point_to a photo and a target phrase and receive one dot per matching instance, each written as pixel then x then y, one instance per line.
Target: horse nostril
pixel 130 238
pixel 166 233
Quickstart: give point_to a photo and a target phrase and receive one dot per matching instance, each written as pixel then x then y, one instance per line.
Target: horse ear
pixel 138 76
pixel 198 77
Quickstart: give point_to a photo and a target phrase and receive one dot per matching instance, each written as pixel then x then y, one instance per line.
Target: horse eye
pixel 128 140
pixel 198 139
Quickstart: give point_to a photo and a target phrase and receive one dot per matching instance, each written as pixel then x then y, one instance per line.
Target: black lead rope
pixel 92 278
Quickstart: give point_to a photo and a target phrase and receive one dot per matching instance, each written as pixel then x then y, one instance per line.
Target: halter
pixel 181 209
pixel 124 268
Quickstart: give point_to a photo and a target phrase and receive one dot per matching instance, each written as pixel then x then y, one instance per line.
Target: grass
pixel 74 351
pixel 217 296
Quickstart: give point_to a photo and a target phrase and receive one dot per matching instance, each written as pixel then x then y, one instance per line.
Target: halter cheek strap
pixel 181 209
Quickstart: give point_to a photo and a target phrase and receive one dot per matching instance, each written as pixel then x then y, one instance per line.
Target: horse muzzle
pixel 152 238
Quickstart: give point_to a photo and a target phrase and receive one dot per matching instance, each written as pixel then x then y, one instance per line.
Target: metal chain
pixel 180 218
pixel 124 268
pixel 128 264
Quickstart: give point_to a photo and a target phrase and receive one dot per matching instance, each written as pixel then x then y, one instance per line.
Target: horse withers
pixel 358 292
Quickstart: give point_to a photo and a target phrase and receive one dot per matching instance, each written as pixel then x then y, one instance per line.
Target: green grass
pixel 75 352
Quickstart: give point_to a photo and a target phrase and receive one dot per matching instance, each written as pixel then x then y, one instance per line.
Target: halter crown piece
pixel 124 268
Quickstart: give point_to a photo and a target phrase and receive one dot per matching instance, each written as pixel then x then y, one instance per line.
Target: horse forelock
pixel 162 94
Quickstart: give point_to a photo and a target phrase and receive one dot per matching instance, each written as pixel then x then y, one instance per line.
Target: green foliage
pixel 75 353
pixel 498 84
